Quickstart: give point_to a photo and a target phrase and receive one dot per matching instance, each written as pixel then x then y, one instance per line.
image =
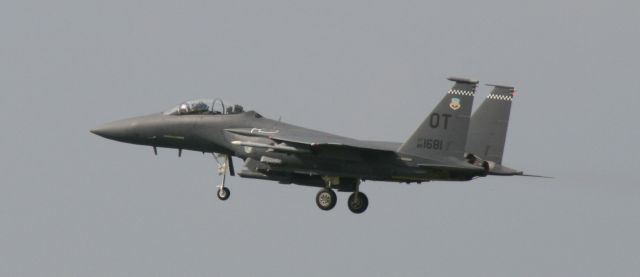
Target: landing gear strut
pixel 223 192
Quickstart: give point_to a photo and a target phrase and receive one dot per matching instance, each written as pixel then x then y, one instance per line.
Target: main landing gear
pixel 358 202
pixel 326 199
pixel 224 192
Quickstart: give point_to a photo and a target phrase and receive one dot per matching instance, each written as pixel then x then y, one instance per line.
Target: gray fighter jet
pixel 449 145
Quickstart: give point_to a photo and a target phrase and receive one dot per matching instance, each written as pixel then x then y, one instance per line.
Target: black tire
pixel 360 205
pixel 326 199
pixel 224 193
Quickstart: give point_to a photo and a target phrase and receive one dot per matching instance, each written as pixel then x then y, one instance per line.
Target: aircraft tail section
pixel 489 123
pixel 443 133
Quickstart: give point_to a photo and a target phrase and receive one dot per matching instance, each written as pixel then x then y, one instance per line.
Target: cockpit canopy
pixel 205 106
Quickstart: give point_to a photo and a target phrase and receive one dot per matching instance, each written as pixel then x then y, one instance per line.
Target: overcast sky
pixel 75 204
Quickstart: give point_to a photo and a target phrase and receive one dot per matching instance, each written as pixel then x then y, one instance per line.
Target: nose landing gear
pixel 227 165
pixel 223 193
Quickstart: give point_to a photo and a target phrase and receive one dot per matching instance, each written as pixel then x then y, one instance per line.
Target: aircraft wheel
pixel 358 204
pixel 224 193
pixel 326 199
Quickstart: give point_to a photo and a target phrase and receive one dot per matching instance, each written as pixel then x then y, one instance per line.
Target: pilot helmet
pixel 184 108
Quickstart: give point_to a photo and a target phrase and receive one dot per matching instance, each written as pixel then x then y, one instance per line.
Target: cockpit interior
pixel 205 106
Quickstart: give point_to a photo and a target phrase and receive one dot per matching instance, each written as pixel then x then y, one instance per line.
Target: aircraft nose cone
pixel 137 130
pixel 119 130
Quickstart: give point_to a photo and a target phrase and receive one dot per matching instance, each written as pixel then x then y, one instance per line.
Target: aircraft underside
pixel 330 178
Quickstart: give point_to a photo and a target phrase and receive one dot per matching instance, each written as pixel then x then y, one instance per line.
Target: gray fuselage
pixel 215 133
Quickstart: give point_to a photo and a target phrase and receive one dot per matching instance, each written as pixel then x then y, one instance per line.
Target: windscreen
pixel 204 106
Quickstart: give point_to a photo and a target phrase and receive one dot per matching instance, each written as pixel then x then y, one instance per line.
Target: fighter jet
pixel 449 145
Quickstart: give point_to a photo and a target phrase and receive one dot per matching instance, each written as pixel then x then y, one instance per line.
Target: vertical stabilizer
pixel 489 123
pixel 443 133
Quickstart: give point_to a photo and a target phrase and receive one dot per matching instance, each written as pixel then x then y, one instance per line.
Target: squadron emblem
pixel 455 104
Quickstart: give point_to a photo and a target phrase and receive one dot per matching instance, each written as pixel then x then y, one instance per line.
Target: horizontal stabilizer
pixel 537 176
pixel 452 167
pixel 501 170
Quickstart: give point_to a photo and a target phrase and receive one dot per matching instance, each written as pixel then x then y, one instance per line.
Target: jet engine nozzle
pixel 477 161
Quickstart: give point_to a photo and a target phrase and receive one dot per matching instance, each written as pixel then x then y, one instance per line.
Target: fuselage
pixel 441 148
pixel 214 133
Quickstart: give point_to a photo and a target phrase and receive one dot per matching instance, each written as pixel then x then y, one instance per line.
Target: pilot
pixel 184 108
pixel 200 107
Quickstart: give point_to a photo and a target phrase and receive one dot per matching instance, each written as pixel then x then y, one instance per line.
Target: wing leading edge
pixel 304 140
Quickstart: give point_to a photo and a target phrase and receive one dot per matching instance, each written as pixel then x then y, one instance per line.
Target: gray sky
pixel 74 204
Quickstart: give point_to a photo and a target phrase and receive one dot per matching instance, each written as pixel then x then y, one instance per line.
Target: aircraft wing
pixel 351 145
pixel 271 147
pixel 336 144
pixel 323 144
pixel 304 140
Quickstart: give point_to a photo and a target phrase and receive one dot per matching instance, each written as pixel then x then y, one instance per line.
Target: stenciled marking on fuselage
pixel 260 131
pixel 172 137
pixel 436 119
pixel 429 143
